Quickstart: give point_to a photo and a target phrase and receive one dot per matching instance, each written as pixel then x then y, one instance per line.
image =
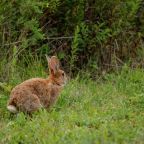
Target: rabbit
pixel 32 94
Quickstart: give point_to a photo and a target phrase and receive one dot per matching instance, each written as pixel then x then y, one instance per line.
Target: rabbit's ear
pixel 48 58
pixel 53 64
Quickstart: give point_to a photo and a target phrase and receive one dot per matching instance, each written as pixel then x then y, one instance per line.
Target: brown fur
pixel 34 93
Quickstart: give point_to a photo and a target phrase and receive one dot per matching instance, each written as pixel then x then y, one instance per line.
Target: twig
pixel 56 38
pixel 118 49
pixel 112 65
pixel 48 38
pixel 13 43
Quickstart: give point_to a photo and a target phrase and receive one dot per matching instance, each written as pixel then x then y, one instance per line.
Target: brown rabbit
pixel 35 93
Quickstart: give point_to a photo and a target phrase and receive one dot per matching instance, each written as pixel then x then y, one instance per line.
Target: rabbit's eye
pixel 63 74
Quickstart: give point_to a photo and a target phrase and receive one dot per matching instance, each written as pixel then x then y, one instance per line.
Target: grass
pixel 105 111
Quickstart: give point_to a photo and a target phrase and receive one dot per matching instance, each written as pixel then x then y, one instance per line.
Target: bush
pixel 84 34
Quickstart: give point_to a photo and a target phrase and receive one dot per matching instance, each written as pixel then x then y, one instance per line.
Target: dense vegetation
pixel 95 35
pixel 91 38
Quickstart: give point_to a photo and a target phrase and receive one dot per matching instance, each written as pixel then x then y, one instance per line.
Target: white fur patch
pixel 12 108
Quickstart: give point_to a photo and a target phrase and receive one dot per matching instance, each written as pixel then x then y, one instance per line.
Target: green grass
pixel 107 111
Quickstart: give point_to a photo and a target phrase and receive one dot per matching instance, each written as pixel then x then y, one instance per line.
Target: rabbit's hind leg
pixel 30 104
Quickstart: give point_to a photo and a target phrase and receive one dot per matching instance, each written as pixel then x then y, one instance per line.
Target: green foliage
pixel 75 47
pixel 79 43
pixel 106 111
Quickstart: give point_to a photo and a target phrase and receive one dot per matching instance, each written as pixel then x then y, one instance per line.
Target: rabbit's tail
pixel 12 108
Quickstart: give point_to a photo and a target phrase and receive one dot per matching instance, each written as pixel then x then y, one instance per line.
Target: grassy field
pixel 109 110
